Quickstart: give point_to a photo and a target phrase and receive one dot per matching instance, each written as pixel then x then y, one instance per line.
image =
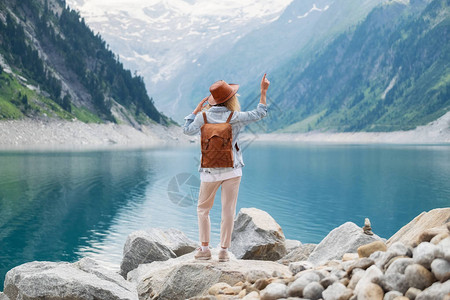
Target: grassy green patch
pixel 8 110
pixel 17 101
pixel 51 107
pixel 444 80
pixel 9 97
pixel 84 115
pixel 12 105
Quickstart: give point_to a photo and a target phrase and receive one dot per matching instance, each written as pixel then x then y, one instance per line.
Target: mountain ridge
pixel 167 26
pixel 262 50
pixel 385 68
pixel 61 69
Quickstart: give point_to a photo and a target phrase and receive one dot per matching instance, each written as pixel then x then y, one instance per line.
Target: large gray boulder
pixel 257 235
pixel 154 244
pixel 81 280
pixel 343 239
pixel 184 277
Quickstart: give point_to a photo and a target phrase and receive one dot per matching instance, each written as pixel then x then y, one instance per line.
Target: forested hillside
pixel 391 72
pixel 53 65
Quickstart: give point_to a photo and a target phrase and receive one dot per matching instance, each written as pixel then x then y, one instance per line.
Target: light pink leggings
pixel 230 189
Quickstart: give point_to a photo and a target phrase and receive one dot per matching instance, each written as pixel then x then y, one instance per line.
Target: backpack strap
pixel 204 117
pixel 229 117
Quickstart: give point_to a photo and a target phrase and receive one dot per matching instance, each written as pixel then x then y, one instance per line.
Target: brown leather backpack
pixel 217 140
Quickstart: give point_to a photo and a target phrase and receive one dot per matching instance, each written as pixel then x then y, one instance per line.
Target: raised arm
pixel 192 124
pixel 247 117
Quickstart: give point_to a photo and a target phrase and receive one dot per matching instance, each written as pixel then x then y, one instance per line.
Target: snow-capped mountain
pixel 302 30
pixel 158 37
pixel 181 47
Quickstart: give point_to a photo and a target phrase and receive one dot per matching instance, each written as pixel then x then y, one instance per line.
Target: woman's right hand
pixel 264 84
pixel 264 87
pixel 200 106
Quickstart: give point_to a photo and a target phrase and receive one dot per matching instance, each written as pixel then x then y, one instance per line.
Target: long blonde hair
pixel 232 104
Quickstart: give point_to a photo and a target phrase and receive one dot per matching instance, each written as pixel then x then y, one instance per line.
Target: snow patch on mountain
pixel 314 8
pixel 157 38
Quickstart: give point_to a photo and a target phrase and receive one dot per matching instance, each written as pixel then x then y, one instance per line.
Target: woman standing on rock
pixel 222 108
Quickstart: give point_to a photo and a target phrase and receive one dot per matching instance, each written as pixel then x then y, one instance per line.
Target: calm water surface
pixel 64 206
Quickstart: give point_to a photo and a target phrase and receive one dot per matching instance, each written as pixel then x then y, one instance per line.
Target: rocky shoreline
pixel 74 135
pixel 54 134
pixel 349 263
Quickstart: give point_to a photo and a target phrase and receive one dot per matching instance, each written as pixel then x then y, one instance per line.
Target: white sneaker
pixel 223 255
pixel 203 255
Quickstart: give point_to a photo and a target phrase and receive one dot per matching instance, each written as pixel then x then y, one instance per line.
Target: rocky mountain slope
pixel 294 38
pixel 52 65
pixel 392 72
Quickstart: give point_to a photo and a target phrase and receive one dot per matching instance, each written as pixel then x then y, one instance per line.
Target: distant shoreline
pixel 436 132
pixel 28 135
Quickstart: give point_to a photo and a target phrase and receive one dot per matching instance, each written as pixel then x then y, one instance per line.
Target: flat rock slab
pixel 410 233
pixel 185 277
pixel 82 280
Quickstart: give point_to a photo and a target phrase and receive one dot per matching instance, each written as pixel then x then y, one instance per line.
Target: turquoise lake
pixel 61 206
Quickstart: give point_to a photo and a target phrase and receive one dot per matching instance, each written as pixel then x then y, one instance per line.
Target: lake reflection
pixel 63 206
